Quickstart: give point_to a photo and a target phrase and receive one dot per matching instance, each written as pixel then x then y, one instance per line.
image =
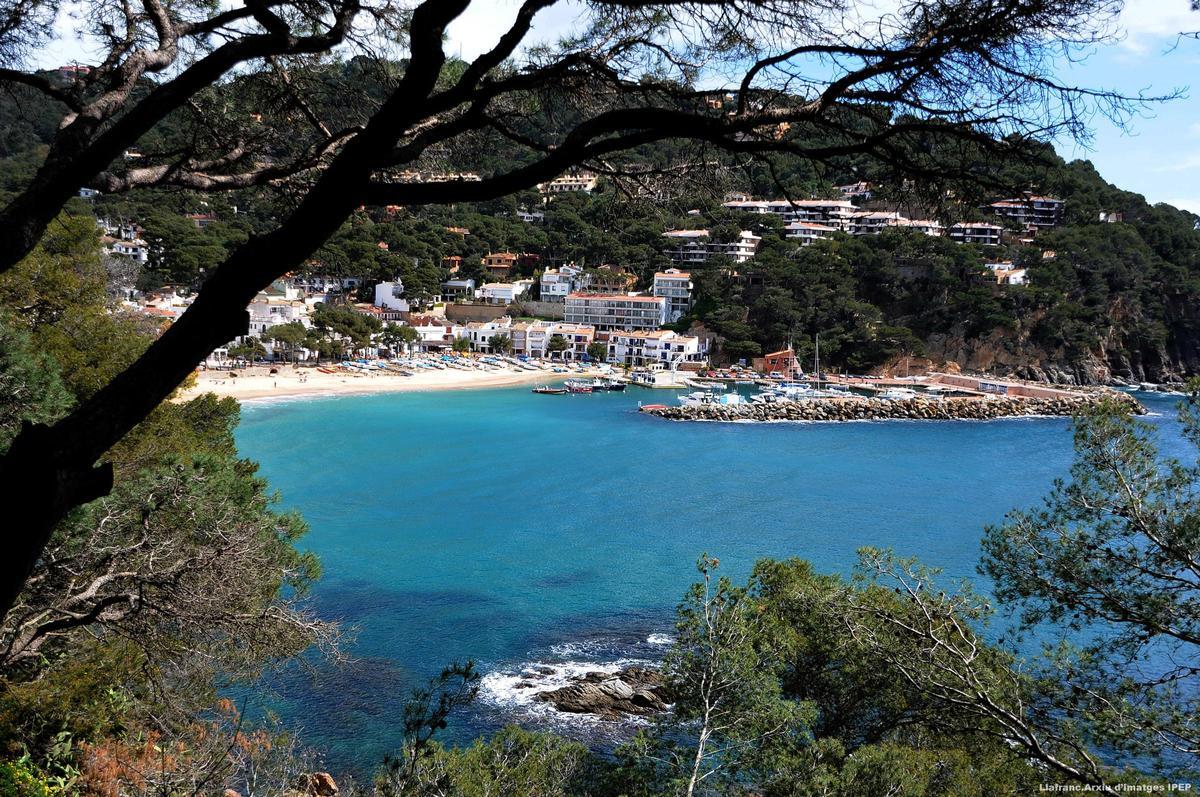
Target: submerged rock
pixel 636 691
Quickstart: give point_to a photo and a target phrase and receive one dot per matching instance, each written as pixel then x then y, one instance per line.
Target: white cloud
pixel 483 23
pixel 1152 24
pixel 1192 204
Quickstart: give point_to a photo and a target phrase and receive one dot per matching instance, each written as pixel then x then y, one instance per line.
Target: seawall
pixel 916 409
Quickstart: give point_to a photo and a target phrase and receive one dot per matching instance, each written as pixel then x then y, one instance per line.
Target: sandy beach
pixel 291 382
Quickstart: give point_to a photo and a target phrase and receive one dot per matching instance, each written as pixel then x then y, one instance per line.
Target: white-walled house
pixel 435 332
pixel 649 347
pixel 556 283
pixel 503 292
pixel 135 249
pixel 480 333
pixel 389 295
pixel 532 338
pixel 458 289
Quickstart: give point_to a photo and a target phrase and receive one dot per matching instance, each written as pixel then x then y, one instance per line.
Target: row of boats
pixel 582 386
pixel 790 391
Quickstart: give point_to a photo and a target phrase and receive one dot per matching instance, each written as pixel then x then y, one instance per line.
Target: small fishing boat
pixel 579 388
pixel 546 390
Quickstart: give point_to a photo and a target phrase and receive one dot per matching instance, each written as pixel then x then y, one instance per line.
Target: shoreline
pixel 257 383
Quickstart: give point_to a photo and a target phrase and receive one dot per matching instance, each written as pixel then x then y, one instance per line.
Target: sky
pixel 1156 154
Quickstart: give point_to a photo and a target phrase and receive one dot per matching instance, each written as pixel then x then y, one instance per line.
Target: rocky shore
pixel 916 409
pixel 636 691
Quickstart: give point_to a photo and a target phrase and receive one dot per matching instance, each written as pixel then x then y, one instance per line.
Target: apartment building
pixel 695 247
pixel 613 311
pixel 1031 211
pixel 976 232
pixel 676 287
pixel 662 347
pixel 806 232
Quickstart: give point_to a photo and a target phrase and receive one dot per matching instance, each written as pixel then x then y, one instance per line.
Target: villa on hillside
pixel 503 292
pixel 499 264
pixel 569 183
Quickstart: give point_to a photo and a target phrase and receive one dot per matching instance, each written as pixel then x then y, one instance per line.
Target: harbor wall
pixel 875 409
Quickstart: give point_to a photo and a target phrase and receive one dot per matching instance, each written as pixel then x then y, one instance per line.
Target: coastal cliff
pixel 1117 356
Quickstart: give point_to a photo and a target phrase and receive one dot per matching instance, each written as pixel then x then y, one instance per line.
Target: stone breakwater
pixel 917 409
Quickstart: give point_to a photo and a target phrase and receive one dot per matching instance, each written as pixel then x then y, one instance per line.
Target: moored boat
pixel 546 390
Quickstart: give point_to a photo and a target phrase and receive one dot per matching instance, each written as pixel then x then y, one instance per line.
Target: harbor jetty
pixel 975 398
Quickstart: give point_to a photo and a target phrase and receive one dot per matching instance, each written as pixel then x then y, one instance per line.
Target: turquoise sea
pixel 520 530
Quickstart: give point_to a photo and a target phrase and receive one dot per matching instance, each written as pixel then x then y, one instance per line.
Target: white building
pixel 976 232
pixel 661 346
pixel 860 190
pixel 557 283
pixel 695 247
pixel 434 332
pixel 806 231
pixel 832 212
pixel 388 294
pixel 532 339
pixel 616 311
pixel 1030 210
pixel 531 216
pixel 480 333
pixel 503 292
pixel 676 287
pixel 1011 276
pixel 135 249
pixel 458 289
pixel 567 183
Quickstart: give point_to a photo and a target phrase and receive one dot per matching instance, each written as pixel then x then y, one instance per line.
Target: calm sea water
pixel 520 530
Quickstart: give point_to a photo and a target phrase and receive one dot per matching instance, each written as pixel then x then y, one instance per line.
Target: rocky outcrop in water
pixel 636 691
pixel 874 409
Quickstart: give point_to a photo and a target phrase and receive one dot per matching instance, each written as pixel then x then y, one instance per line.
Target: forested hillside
pixel 1102 300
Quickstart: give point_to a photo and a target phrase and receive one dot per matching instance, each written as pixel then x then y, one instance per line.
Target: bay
pixel 526 531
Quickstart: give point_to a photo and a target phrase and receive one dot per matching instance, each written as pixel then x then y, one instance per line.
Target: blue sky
pixel 1158 154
